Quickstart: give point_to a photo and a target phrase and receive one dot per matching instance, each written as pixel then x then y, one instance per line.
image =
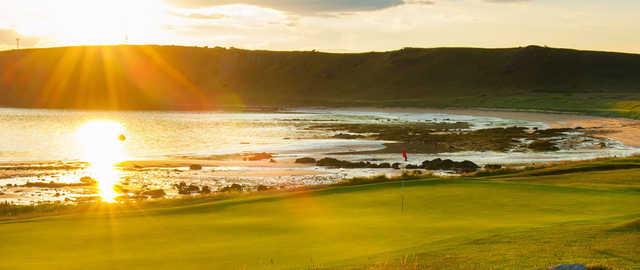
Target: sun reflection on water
pixel 103 147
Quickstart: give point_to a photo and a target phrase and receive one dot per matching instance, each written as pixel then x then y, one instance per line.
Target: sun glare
pixel 102 145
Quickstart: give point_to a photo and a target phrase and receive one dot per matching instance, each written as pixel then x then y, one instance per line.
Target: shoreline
pixel 56 208
pixel 625 130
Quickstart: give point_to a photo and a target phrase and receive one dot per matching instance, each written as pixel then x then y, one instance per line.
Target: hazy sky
pixel 329 25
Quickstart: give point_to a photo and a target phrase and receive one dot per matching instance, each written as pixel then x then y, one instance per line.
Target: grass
pixel 496 222
pixel 9 210
pixel 595 103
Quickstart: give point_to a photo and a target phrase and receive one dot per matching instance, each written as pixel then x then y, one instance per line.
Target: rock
pixel 184 189
pixel 492 167
pixel 432 164
pixel 568 267
pixel 262 188
pixel 384 165
pixel 195 167
pixel 347 136
pixel 155 193
pixel 450 165
pixel 438 164
pixel 205 190
pixel 331 162
pixel 336 163
pixel 306 160
pixel 467 166
pixel 412 167
pixel 259 156
pixel 542 146
pixel 232 188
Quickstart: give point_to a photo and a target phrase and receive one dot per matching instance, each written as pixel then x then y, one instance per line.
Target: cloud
pixel 8 39
pixel 8 36
pixel 200 15
pixel 302 6
pixel 419 2
pixel 308 7
pixel 507 1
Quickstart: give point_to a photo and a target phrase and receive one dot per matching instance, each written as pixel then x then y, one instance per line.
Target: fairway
pixel 468 223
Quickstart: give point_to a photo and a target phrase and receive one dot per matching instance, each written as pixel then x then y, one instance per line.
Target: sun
pixel 102 143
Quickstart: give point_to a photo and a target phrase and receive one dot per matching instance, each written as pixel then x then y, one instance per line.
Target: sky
pixel 325 25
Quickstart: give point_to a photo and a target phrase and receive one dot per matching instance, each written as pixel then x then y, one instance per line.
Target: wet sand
pixel 261 168
pixel 626 131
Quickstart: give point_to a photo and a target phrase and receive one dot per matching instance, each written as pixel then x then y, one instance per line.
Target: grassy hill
pixel 524 220
pixel 171 77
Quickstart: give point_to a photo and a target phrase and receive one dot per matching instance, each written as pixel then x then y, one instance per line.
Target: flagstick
pixel 404 156
pixel 402 196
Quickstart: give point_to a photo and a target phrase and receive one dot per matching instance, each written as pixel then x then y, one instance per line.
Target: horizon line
pixel 336 51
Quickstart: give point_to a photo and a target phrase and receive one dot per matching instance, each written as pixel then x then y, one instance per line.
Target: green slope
pixel 170 77
pixel 509 222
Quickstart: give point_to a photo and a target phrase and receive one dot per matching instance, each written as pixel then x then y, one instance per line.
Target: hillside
pixel 171 77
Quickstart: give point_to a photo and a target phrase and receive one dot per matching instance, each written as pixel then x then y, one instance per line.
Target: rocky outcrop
pixel 492 167
pixel 258 156
pixel 412 167
pixel 450 165
pixel 435 165
pixel 347 136
pixel 306 160
pixel 568 267
pixel 154 193
pixel 543 146
pixel 336 163
pixel 232 188
pixel 185 189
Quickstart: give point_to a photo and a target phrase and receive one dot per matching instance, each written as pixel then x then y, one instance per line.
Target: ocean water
pixel 50 135
pixel 33 138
